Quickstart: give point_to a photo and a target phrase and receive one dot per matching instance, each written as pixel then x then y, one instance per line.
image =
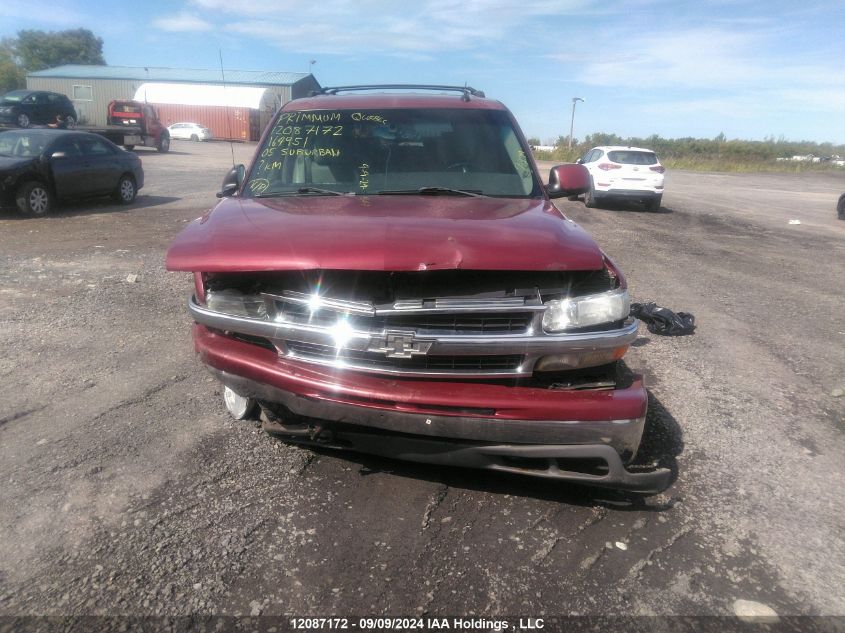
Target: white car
pixel 623 173
pixel 190 132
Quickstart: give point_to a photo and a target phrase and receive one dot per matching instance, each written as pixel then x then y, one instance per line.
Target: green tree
pixel 533 141
pixel 12 75
pixel 37 50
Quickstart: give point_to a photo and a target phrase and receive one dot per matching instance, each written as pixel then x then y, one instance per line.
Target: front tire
pixel 23 120
pixel 590 196
pixel 163 144
pixel 195 138
pixel 34 199
pixel 840 207
pixel 70 122
pixel 126 190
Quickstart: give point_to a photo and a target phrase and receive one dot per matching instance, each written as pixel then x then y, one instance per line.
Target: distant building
pixel 236 104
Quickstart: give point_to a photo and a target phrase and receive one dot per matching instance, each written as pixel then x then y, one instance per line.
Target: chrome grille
pixel 326 354
pixel 450 323
pixel 470 324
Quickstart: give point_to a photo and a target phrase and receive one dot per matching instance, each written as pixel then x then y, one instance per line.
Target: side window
pixel 41 98
pixel 94 147
pixel 69 146
pixel 29 100
pixel 518 160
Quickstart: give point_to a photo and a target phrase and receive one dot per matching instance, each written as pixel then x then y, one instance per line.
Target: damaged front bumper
pixel 576 436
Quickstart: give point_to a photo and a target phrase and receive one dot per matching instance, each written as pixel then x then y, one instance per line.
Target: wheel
pixel 128 148
pixel 654 203
pixel 34 198
pixel 126 190
pixel 590 196
pixel 23 120
pixel 238 406
pixel 840 208
pixel 70 122
pixel 163 144
pixel 194 138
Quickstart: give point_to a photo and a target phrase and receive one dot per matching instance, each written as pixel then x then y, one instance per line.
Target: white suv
pixel 190 132
pixel 627 173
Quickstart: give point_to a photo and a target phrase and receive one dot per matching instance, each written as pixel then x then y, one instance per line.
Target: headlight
pixel 577 312
pixel 236 303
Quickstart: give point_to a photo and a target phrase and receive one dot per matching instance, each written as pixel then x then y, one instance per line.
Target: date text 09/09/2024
pixel 421 624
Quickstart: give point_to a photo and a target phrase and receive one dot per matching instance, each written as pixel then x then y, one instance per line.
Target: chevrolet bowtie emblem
pixel 399 345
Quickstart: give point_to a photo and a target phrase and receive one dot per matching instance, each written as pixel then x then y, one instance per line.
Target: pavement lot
pixel 127 489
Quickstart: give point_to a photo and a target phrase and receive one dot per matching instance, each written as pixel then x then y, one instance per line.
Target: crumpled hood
pixel 395 233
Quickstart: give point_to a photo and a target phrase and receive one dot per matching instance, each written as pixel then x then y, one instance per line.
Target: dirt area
pixel 128 490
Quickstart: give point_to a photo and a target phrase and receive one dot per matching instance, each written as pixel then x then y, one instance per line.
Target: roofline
pixel 47 74
pixel 391 100
pixel 615 147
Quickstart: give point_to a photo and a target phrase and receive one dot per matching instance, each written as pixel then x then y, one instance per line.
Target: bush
pixel 717 154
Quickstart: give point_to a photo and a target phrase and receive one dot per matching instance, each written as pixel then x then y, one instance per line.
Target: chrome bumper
pixel 623 436
pixel 547 449
pixel 529 346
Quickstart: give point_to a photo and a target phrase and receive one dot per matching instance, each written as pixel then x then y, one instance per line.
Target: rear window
pixel 130 108
pixel 628 157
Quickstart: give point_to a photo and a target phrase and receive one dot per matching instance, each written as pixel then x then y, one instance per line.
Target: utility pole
pixel 572 121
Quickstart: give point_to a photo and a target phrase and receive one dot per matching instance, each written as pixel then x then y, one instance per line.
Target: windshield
pixel 392 151
pixel 13 97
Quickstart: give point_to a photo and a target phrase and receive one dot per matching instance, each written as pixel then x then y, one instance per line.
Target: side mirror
pixel 232 182
pixel 568 180
pixel 58 155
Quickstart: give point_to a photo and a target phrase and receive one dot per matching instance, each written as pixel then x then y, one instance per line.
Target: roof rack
pixel 466 91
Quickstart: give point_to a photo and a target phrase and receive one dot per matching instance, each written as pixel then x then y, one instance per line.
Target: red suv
pixel 389 275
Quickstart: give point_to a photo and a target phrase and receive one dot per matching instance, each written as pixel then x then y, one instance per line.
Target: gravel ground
pixel 128 490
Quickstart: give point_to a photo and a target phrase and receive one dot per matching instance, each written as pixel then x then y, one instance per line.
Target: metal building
pixel 91 88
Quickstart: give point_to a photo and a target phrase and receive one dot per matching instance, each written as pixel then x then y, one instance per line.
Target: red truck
pixel 132 123
pixel 390 276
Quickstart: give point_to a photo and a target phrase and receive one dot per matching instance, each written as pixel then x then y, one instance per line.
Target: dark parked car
pixel 840 207
pixel 37 167
pixel 26 107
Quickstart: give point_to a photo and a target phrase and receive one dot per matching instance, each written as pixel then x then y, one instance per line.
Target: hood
pixel 395 233
pixel 11 163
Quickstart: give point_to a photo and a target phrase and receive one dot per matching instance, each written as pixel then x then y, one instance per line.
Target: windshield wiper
pixel 301 190
pixel 327 192
pixel 433 191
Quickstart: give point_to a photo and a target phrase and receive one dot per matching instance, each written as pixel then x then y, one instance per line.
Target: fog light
pixel 578 360
pixel 239 407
